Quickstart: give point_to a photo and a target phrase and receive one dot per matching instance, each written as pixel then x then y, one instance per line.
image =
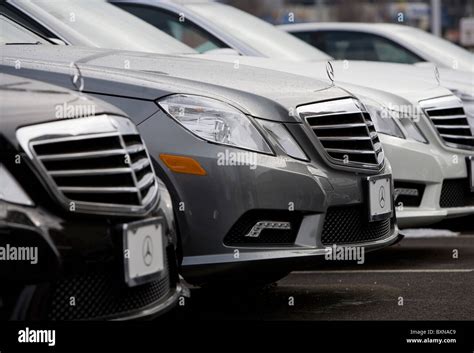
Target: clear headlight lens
pixel 409 126
pixel 393 123
pixel 283 138
pixel 464 95
pixel 10 190
pixel 383 121
pixel 215 121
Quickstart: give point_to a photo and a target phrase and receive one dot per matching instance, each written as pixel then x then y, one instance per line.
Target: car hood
pixel 381 79
pixel 27 102
pixel 263 93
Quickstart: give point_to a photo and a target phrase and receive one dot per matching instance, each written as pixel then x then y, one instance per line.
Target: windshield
pixel 11 33
pixel 260 35
pixel 100 24
pixel 441 50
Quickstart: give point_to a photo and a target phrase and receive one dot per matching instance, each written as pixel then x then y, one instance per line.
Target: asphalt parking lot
pixel 417 279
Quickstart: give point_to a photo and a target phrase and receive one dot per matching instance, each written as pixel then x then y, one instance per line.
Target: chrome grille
pixel 450 121
pixel 346 132
pixel 93 165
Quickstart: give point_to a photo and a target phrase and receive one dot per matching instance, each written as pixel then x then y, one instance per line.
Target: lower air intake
pixel 348 225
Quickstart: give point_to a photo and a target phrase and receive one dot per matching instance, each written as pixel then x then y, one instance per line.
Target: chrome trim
pixel 338 138
pixel 339 126
pixel 82 155
pixel 340 150
pixel 83 129
pixel 344 107
pixel 444 103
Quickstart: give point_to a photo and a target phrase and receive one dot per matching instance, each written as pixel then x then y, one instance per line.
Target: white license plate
pixel 470 168
pixel 380 197
pixel 144 258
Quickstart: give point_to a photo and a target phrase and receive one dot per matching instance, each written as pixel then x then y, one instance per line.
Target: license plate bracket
pixel 379 197
pixel 143 251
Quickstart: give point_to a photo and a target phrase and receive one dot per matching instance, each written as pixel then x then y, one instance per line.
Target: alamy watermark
pixel 345 253
pixel 19 253
pixel 232 158
pixel 71 111
pixel 404 111
pixel 37 336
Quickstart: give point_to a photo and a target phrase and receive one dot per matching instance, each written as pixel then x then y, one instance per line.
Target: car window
pixel 352 45
pixel 261 36
pixel 11 33
pixel 441 50
pixel 100 24
pixel 182 29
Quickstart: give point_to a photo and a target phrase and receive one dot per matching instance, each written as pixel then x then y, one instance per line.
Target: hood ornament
pixel 437 76
pixel 330 72
pixel 77 79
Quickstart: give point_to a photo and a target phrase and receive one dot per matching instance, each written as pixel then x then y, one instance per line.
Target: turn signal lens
pixel 183 165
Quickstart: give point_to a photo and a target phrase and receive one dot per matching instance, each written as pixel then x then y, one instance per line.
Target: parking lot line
pixel 388 271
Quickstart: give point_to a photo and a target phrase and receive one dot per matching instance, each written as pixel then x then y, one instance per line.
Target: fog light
pixel 260 226
pixel 406 192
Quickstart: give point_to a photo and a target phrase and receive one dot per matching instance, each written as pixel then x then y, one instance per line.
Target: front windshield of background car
pixel 446 52
pixel 11 33
pixel 100 24
pixel 260 35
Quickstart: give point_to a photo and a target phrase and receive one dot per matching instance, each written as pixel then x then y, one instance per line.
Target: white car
pixel 382 42
pixel 431 160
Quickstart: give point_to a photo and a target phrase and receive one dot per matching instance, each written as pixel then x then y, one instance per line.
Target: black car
pixel 86 228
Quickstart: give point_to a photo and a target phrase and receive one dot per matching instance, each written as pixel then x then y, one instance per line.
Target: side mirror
pixel 56 41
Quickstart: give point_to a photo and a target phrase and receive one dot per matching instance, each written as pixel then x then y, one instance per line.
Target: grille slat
pixel 95 190
pixel 339 150
pixel 81 155
pixel 352 138
pixel 79 172
pixel 450 121
pixel 100 171
pixel 341 126
pixel 451 117
pixel 453 127
pixel 346 132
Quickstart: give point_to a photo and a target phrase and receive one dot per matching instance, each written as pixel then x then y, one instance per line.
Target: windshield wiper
pixel 26 43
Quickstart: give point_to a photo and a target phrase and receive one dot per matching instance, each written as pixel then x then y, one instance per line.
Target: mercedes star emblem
pixel 437 76
pixel 147 251
pixel 77 78
pixel 382 196
pixel 330 71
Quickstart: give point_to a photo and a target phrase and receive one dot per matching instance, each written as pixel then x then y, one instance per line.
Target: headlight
pixel 409 127
pixel 463 95
pixel 394 123
pixel 215 121
pixel 10 190
pixel 383 121
pixel 283 138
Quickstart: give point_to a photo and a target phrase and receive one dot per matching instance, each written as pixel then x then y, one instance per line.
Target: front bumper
pixel 276 188
pixel 79 269
pixel 439 171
